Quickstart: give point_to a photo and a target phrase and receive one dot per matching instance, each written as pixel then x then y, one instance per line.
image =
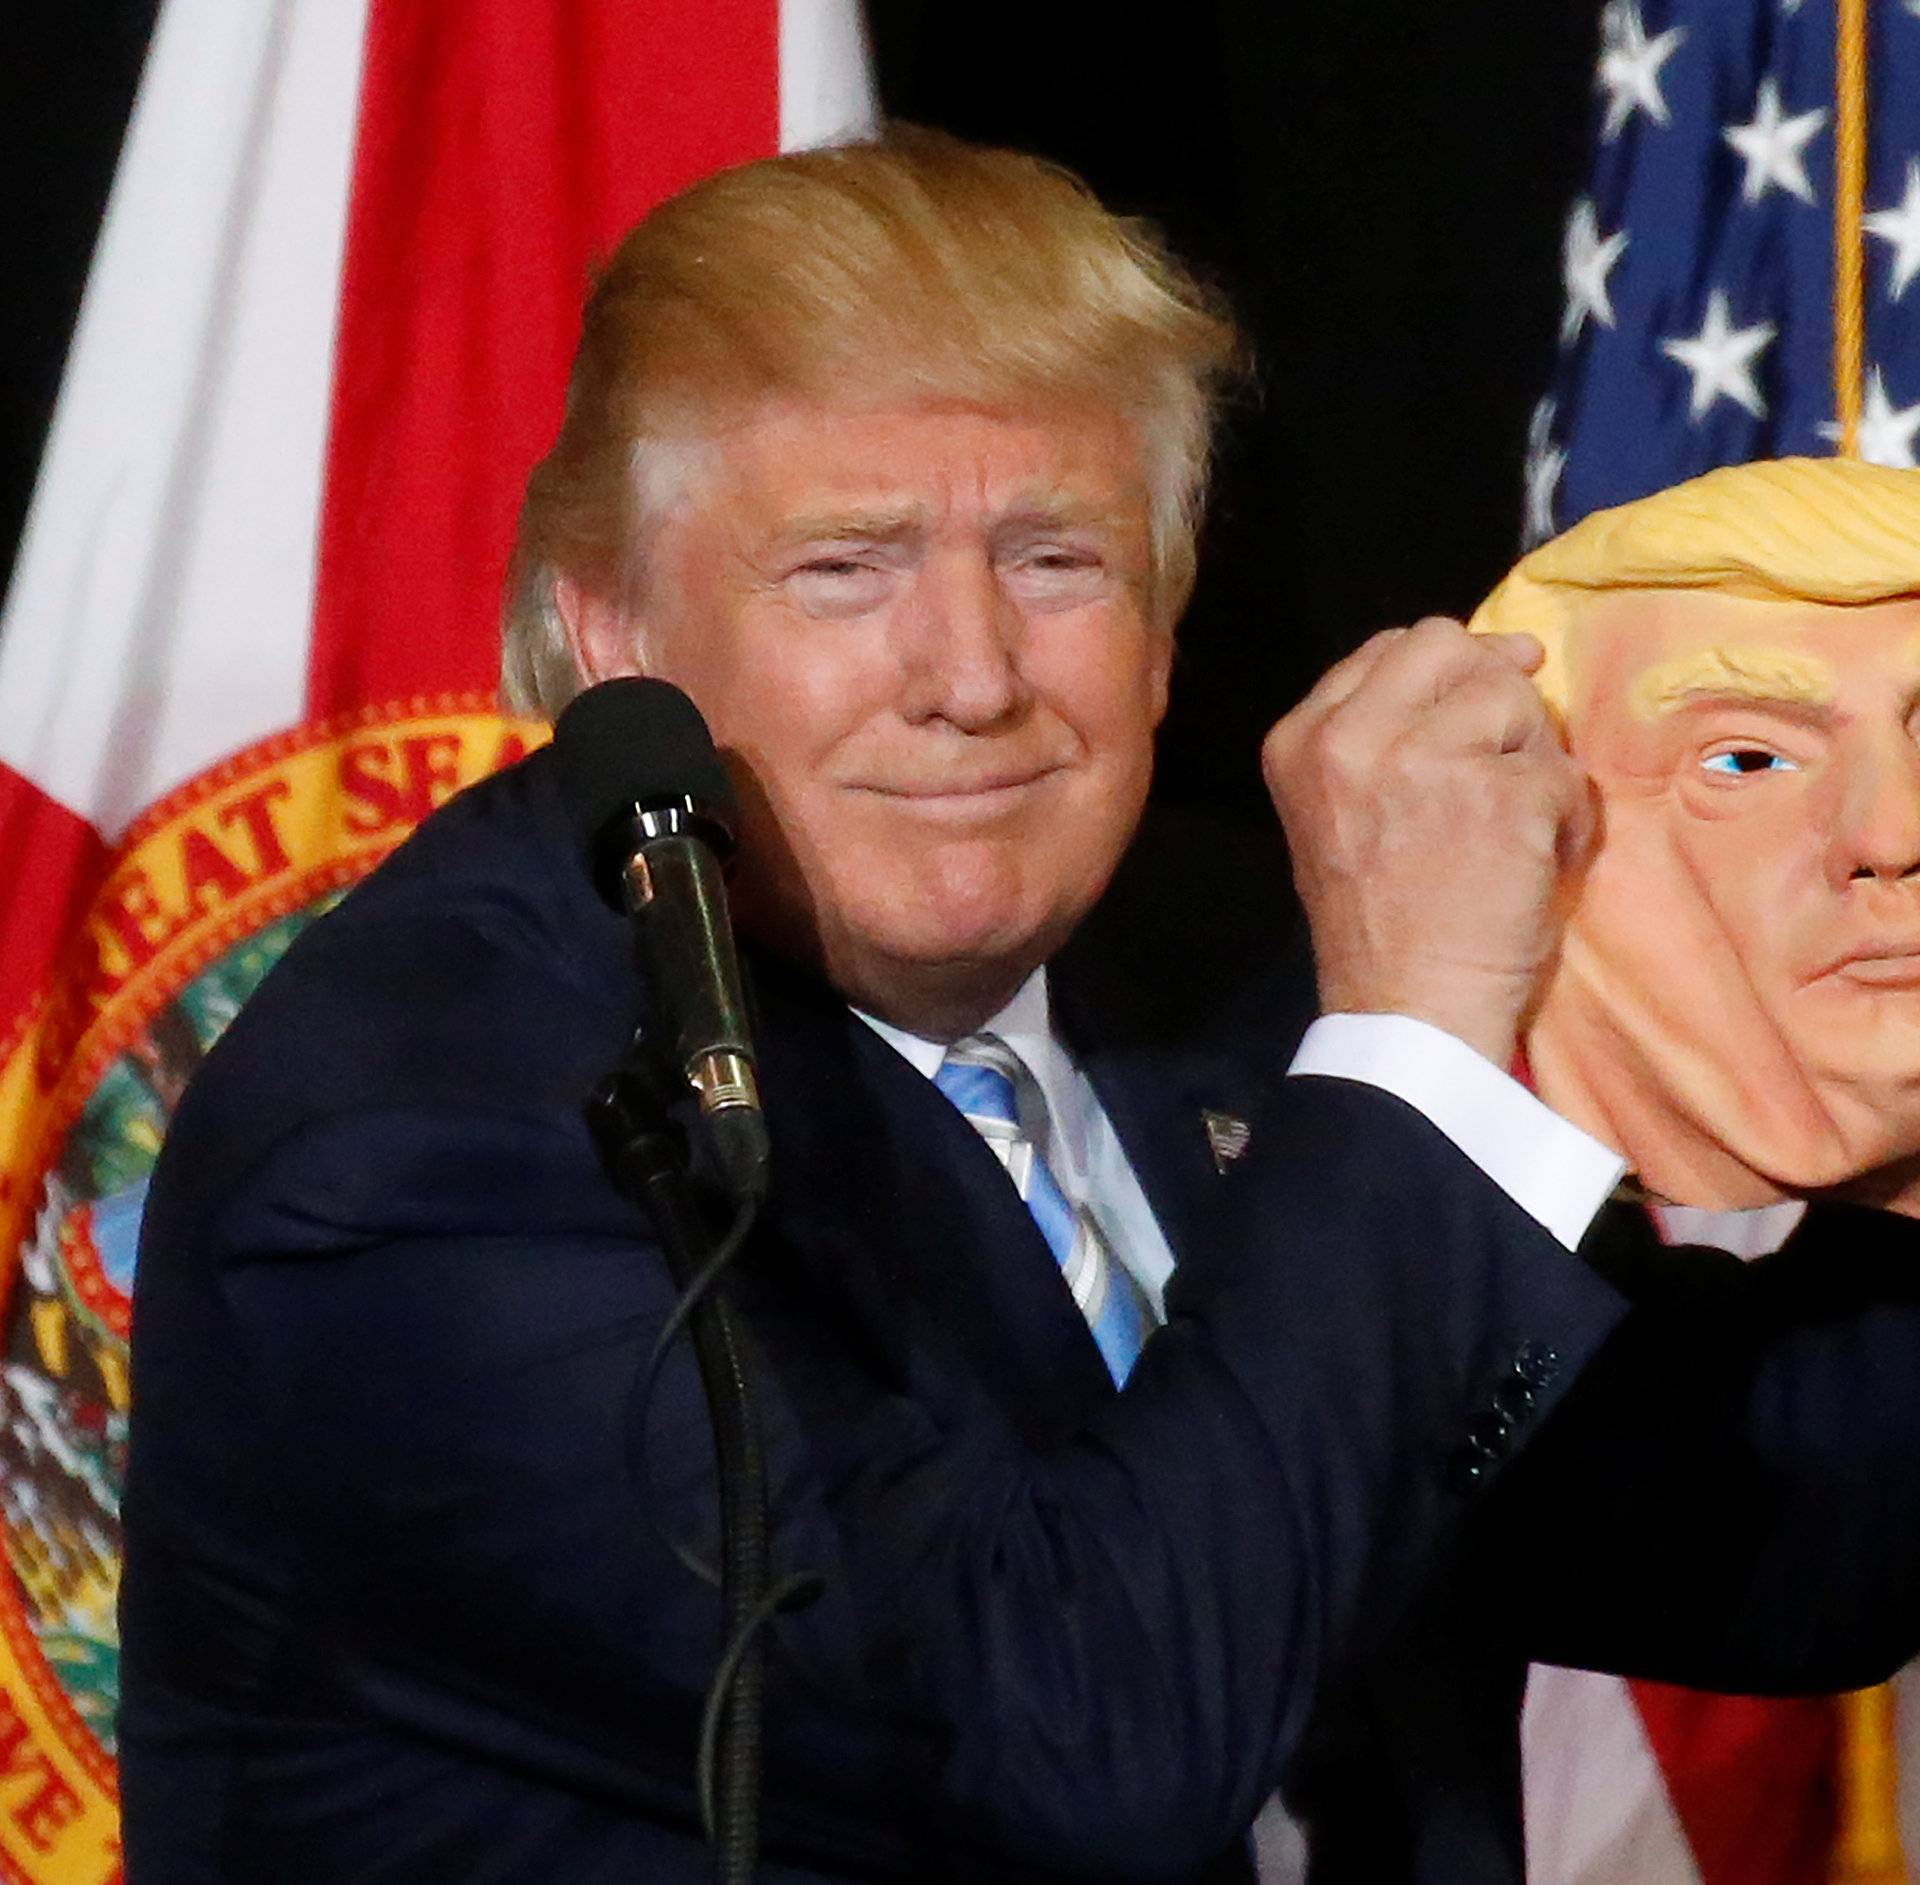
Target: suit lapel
pixel 1160 1103
pixel 1186 1075
pixel 1182 997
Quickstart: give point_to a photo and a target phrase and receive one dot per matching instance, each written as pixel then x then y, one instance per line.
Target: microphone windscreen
pixel 636 741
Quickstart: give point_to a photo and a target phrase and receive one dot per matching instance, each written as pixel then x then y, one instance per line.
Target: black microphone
pixel 655 812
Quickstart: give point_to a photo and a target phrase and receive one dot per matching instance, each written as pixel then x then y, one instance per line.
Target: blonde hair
pixel 916 267
pixel 1830 530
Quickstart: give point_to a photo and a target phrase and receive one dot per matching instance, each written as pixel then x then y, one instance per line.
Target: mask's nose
pixel 1879 822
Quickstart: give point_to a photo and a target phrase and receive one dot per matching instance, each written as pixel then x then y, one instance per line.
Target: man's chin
pixel 955 921
pixel 908 958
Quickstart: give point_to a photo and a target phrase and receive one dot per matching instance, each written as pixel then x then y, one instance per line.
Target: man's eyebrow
pixel 853 526
pixel 1045 510
pixel 1773 676
pixel 1062 511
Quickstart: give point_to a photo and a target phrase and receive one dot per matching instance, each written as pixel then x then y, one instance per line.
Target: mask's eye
pixel 1742 762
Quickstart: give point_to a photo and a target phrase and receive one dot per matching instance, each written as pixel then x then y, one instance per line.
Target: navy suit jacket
pixel 398 1603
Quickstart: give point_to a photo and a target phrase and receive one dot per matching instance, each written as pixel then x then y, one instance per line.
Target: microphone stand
pixel 644 1152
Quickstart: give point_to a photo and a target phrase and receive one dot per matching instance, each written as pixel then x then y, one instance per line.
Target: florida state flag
pixel 251 636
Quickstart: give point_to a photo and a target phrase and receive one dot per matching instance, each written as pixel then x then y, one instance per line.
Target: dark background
pixel 1379 185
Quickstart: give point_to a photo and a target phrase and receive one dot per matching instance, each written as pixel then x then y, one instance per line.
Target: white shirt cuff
pixel 1550 1168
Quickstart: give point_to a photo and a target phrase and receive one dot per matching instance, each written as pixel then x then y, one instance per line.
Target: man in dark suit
pixel 891 458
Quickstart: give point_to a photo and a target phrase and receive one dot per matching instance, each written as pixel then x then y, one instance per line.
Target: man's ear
pixel 602 636
pixel 1161 673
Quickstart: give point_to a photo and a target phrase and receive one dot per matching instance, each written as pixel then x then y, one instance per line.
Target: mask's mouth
pixel 1893 963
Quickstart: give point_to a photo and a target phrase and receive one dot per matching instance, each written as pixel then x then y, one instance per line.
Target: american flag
pixel 1702 300
pixel 1699 264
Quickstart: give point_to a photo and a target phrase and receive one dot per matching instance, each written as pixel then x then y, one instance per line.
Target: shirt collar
pixel 1026 1025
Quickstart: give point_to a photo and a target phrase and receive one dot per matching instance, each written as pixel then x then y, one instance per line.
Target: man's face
pixel 1738 1004
pixel 920 638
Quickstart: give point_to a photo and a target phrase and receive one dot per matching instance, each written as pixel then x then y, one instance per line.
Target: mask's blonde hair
pixel 915 268
pixel 1829 530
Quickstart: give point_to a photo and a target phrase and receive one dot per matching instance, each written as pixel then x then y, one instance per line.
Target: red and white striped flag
pixel 250 638
pixel 1634 1783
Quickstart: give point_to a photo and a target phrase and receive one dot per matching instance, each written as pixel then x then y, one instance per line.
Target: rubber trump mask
pixel 1736 660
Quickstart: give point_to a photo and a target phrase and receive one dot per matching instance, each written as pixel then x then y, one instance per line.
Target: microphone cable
pixel 641 1149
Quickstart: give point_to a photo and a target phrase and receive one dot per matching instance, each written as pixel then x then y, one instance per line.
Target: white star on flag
pixel 1630 65
pixel 1720 358
pixel 1886 433
pixel 1774 146
pixel 1900 225
pixel 1586 260
pixel 1545 462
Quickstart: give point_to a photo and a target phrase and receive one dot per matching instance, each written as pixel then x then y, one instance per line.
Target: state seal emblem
pixel 198 901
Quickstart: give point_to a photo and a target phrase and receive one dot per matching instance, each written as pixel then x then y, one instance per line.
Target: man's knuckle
pixel 1347 754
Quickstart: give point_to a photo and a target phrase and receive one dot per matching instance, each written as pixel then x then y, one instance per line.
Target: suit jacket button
pixel 1489 1436
pixel 1536 1365
pixel 1466 1469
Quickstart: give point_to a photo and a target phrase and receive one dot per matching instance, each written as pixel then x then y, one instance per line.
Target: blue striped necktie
pixel 983 1077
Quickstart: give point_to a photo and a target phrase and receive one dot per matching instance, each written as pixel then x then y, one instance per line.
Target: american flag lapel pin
pixel 1227 1136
